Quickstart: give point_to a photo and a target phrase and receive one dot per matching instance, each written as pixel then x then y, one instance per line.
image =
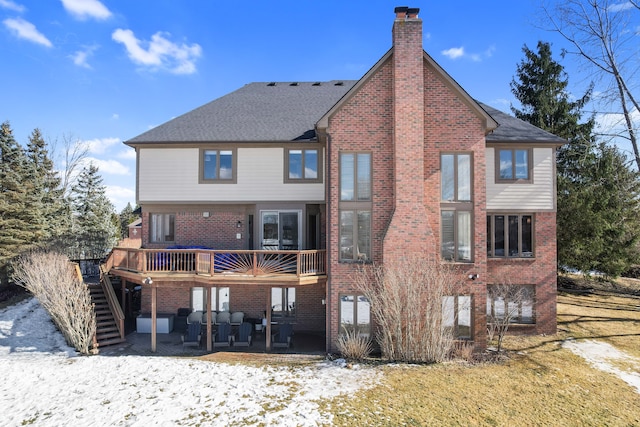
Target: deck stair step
pixel 107 332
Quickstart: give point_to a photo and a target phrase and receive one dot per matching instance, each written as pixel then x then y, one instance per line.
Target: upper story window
pixel 218 165
pixel 355 206
pixel 355 177
pixel 455 177
pixel 303 165
pixel 513 164
pixel 456 207
pixel 510 235
pixel 162 228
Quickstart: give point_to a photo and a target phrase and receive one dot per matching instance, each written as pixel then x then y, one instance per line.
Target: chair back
pixel 223 332
pixel 285 332
pixel 193 330
pixel 244 332
pixel 237 318
pixel 194 317
pixel 223 317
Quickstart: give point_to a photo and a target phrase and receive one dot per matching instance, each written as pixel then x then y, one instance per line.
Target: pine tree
pixel 54 219
pixel 93 215
pixel 17 230
pixel 596 231
pixel 126 217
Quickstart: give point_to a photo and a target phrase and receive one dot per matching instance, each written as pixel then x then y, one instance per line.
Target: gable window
pixel 510 235
pixel 161 228
pixel 217 165
pixel 456 207
pixel 303 165
pixel 355 206
pixel 513 164
pixel 517 303
pixel 355 315
pixel 456 315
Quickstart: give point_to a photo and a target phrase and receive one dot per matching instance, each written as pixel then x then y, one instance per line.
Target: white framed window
pixel 283 302
pixel 162 227
pixel 456 206
pixel 219 299
pixel 515 301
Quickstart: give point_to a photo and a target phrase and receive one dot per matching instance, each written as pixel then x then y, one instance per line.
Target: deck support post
pixel 209 318
pixel 268 325
pixel 154 317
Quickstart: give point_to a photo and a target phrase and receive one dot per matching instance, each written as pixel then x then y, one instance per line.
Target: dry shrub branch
pixel 505 307
pixel 50 277
pixel 406 298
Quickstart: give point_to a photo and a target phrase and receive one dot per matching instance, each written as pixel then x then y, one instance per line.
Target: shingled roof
pixel 512 129
pixel 282 111
pixel 289 111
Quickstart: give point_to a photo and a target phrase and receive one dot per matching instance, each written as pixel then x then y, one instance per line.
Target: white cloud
pixel 454 52
pixel 80 57
pixel 459 52
pixel 100 145
pixel 26 30
pixel 85 9
pixel 115 116
pixel 160 53
pixel 107 166
pixel 620 7
pixel 8 4
pixel 128 154
pixel 120 196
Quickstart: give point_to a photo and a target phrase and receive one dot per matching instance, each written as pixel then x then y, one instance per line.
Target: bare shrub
pixel 464 351
pixel 407 304
pixel 51 278
pixel 505 304
pixel 353 345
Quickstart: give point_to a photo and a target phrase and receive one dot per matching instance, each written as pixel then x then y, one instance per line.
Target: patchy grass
pixel 539 384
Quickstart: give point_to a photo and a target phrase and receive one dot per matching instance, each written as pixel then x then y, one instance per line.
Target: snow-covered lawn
pixel 45 383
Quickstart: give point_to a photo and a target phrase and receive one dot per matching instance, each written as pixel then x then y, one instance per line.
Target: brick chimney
pixel 409 228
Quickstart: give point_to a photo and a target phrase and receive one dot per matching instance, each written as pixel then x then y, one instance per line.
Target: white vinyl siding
pixel 171 175
pixel 536 196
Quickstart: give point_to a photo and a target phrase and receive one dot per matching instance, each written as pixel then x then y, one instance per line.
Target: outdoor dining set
pixel 230 329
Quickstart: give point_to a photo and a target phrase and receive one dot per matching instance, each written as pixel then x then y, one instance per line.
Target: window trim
pixel 303 180
pixel 151 222
pixel 455 155
pixel 284 315
pixel 456 311
pixel 356 296
pixel 234 165
pixel 491 235
pixel 514 180
pixel 467 207
pixel 356 206
pixel 491 305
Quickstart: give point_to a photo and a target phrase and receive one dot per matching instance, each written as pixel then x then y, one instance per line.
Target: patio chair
pixel 223 337
pixel 223 317
pixel 192 336
pixel 283 337
pixel 194 317
pixel 244 335
pixel 237 318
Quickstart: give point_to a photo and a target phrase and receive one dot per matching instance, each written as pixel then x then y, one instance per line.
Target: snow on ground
pixel 607 358
pixel 46 384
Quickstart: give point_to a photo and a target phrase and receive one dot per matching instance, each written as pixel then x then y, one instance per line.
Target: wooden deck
pixel 217 267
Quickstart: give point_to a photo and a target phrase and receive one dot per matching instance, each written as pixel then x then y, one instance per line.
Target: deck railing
pixel 212 262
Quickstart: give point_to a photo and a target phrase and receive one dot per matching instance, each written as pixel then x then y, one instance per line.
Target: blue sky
pixel 106 71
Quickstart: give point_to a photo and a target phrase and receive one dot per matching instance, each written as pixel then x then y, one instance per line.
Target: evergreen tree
pixel 17 231
pixel 93 215
pixel 47 194
pixel 595 230
pixel 126 217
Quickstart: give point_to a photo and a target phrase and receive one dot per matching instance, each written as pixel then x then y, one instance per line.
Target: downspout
pixel 328 245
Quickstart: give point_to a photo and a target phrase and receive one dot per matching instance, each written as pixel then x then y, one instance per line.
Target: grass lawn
pixel 540 384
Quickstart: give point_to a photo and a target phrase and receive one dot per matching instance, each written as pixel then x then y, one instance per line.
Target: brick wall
pixel 540 271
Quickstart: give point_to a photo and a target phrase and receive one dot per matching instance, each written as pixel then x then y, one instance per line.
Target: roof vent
pixel 316 84
pixel 271 84
pixel 293 84
pixel 339 84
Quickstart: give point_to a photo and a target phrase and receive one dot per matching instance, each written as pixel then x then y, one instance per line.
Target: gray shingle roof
pixel 512 129
pixel 288 111
pixel 255 112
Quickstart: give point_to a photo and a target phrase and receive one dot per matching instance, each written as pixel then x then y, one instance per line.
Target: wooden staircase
pixel 107 330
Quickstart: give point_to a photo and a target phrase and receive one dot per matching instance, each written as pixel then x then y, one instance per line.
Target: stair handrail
pixel 112 300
